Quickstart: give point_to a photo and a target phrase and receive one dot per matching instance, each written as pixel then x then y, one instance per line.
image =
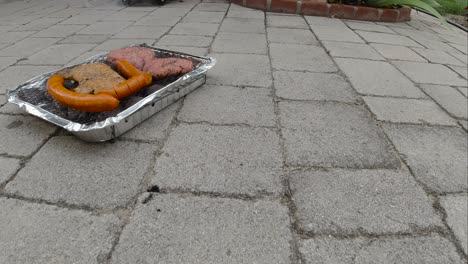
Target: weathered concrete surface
pixel 278 159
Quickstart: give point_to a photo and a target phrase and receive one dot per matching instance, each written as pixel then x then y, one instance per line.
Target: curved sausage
pixel 105 99
pixel 81 102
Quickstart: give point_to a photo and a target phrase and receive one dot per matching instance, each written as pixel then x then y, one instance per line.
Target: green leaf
pixel 411 3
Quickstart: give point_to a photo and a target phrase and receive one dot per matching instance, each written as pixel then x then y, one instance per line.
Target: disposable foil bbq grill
pixel 33 98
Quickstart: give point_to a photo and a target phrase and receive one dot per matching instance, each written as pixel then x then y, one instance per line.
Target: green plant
pixel 456 7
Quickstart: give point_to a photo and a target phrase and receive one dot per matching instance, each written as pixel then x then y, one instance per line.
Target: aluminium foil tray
pixel 33 98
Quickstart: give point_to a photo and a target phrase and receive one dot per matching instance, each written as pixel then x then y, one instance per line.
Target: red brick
pixel 314 8
pixel 341 11
pixel 284 6
pixel 367 14
pixel 405 14
pixel 256 4
pixel 389 15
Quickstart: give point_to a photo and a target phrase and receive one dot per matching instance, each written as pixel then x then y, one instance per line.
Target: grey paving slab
pixel 204 16
pixel 378 78
pixel 170 12
pixel 457 39
pixel 402 110
pixel 85 39
pixel 188 41
pixel 437 56
pixel 241 12
pixel 229 105
pixel 456 209
pixel 324 21
pixel 21 136
pixel 369 27
pixel 286 21
pixel 461 48
pixel 351 201
pixel 126 15
pixel 351 50
pixel 293 57
pixel 435 45
pixel 134 32
pixel 243 25
pixel 16 75
pixel 430 73
pixel 57 54
pixel 291 36
pixel 333 135
pixel 84 57
pixel 40 233
pixel 8 167
pixel 11 109
pixel 174 229
pixel 216 159
pixel 461 57
pixel 156 127
pixel 387 38
pixel 313 86
pixel 111 44
pixel 105 27
pixel 463 90
pixel 5 62
pixel 240 43
pixel 188 50
pixel 212 7
pixel 335 33
pixel 81 19
pixel 449 98
pixel 157 20
pixel 27 47
pixel 58 31
pixel 15 36
pixel 394 52
pixel 240 69
pixel 54 174
pixel 463 71
pixel 40 24
pixel 436 155
pixel 195 28
pixel 415 250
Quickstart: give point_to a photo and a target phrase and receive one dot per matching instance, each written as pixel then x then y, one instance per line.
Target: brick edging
pixel 307 7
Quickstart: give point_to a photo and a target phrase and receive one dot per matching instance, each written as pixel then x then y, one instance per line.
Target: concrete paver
pixel 313 86
pixel 430 73
pixel 455 207
pixel 65 170
pixel 351 50
pixel 219 161
pixel 428 250
pixel 449 98
pixel 370 201
pixel 21 136
pixel 378 78
pixel 8 166
pixel 229 105
pixel 437 155
pixel 291 36
pixel 40 233
pixel 276 114
pixel 333 135
pixel 240 43
pixel 174 229
pixel 415 111
pixel 293 57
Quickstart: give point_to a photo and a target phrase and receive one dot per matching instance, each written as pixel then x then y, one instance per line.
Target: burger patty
pixel 144 60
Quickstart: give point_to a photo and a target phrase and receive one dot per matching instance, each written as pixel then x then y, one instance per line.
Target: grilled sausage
pixel 77 101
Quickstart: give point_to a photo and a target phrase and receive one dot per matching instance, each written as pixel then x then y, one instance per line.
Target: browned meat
pixel 92 77
pixel 143 59
pixel 137 56
pixel 164 67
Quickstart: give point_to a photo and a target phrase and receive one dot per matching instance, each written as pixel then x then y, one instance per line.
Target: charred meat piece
pixel 137 56
pixel 144 60
pixel 164 67
pixel 92 77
